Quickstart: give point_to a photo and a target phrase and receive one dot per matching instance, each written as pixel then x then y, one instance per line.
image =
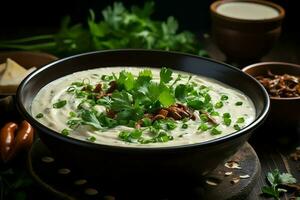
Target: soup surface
pixel 246 10
pixel 141 107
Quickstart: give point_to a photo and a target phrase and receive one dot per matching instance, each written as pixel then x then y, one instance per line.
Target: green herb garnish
pixel 40 115
pixel 237 127
pixel 184 126
pixel 275 180
pixel 224 97
pixel 60 104
pixel 215 131
pixel 239 103
pixel 203 127
pixel 240 120
pixel 219 104
pixel 91 139
pixel 65 132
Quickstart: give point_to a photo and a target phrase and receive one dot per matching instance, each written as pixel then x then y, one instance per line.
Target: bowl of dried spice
pixel 282 81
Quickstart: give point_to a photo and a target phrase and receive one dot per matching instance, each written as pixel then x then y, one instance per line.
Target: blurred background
pixel 21 17
pixel 27 18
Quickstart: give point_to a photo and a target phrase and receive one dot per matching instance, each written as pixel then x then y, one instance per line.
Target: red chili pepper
pixel 11 143
pixel 7 135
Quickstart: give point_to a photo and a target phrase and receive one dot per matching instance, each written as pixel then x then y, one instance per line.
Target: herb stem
pixel 29 39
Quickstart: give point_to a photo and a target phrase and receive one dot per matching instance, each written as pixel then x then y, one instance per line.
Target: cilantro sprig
pixel 275 179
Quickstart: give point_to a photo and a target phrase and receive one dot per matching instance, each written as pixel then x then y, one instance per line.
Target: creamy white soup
pixel 141 107
pixel 247 10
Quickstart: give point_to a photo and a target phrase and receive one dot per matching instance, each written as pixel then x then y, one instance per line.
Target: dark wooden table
pixel 272 146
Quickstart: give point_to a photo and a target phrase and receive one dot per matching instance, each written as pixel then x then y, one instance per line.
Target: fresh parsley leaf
pixel 165 75
pixel 275 178
pixel 166 98
pixel 90 118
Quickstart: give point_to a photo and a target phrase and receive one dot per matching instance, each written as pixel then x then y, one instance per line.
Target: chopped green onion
pixel 227 121
pixel 224 97
pixel 40 115
pixel 239 103
pixel 60 104
pixel 72 114
pixel 226 115
pixel 91 139
pixel 219 104
pixel 214 113
pixel 215 131
pixel 185 126
pixel 237 127
pixel 203 127
pixel 204 117
pixel 65 132
pixel 240 120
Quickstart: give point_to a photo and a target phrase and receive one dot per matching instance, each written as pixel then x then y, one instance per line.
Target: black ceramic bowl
pixel 186 163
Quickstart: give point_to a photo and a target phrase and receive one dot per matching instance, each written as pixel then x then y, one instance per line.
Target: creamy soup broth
pixel 237 104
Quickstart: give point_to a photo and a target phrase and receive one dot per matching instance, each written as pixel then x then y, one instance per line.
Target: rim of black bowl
pixel 270 63
pixel 250 127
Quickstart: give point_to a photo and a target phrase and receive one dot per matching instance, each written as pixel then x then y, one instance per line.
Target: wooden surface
pixel 272 146
pixel 44 168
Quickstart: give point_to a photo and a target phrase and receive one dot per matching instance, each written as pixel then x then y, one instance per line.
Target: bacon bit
pixel 113 87
pixel 98 88
pixel 235 180
pixel 157 117
pixel 163 112
pixel 100 95
pixel 210 118
pixel 228 173
pixel 182 113
pixel 280 85
pixel 175 115
pixel 232 165
pixel 111 114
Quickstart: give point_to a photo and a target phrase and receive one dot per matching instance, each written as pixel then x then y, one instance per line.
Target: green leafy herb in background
pixel 119 28
pixel 275 179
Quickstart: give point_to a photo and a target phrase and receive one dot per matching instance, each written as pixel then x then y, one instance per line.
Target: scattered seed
pixel 64 171
pixel 232 165
pixel 244 176
pixel 109 197
pixel 91 191
pixel 47 159
pixel 80 182
pixel 235 180
pixel 228 173
pixel 209 182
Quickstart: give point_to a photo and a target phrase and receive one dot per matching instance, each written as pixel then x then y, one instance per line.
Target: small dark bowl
pixel 187 163
pixel 244 40
pixel 285 112
pixel 27 60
